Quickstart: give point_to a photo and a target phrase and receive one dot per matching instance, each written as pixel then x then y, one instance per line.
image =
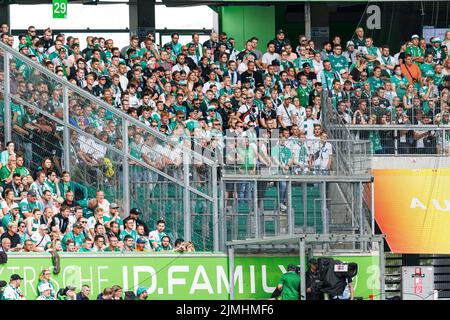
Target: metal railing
pixel 337 129
pixel 104 148
pixel 270 158
pixel 404 140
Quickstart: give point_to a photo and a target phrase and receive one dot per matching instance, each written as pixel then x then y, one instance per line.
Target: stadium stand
pixel 163 132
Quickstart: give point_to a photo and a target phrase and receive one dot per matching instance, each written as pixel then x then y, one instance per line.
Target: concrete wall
pixel 410 162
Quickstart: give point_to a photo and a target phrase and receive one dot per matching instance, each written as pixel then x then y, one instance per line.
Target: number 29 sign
pixel 59 8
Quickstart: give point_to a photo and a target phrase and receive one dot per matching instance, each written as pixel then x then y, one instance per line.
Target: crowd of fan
pixel 46 290
pixel 208 90
pixel 43 211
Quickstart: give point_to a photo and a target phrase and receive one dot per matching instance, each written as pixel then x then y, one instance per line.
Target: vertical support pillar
pixel 222 219
pixel 126 168
pixel 302 269
pixel 187 198
pixel 360 212
pixel 8 115
pixel 382 284
pixel 308 20
pixel 305 206
pixel 291 221
pixel 66 132
pixel 373 206
pixel 142 17
pixel 256 210
pixel 231 270
pixel 215 209
pixel 4 13
pixel 396 142
pixel 323 194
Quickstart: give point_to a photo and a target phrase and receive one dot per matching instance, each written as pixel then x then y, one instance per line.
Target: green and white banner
pixel 174 276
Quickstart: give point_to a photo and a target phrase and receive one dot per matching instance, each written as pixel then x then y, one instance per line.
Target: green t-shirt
pixel 24 172
pixel 26 206
pixel 282 153
pixel 108 249
pixel 125 233
pixel 426 69
pixel 298 63
pixel 7 219
pixel 400 85
pixel 291 286
pixel 415 51
pixel 4 173
pixel 248 161
pixel 375 83
pixel 70 235
pixel 303 95
pixel 338 62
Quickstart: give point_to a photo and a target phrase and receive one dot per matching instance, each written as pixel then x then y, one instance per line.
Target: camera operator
pixel 313 281
pixel 348 293
pixel 289 284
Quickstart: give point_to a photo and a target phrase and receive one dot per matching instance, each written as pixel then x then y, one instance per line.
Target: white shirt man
pixel 270 55
pixel 286 113
pixel 40 238
pixel 308 124
pixel 322 152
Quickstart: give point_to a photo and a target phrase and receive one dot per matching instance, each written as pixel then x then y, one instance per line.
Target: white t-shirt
pixel 286 114
pixel 40 241
pixel 308 127
pixel 267 57
pixel 301 116
pixel 325 151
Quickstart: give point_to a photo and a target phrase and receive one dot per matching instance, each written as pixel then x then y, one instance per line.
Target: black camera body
pixel 333 275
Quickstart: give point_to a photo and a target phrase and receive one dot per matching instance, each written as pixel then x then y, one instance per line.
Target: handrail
pixel 100 102
pixel 371 127
pixel 111 147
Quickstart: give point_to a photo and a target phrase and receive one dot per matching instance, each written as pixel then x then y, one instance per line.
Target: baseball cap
pixel 21 46
pixel 342 71
pixel 211 108
pixel 141 290
pixel 350 43
pixel 275 62
pixel 14 206
pixel 42 227
pixel 287 96
pixel 436 40
pixel 141 240
pixel 414 36
pixel 135 211
pixel 280 31
pixel 32 193
pixel 44 286
pixel 68 288
pixel 113 206
pixel 15 276
pixel 306 64
pixel 292 267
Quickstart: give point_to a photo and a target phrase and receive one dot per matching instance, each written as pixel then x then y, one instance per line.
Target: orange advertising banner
pixel 412 208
